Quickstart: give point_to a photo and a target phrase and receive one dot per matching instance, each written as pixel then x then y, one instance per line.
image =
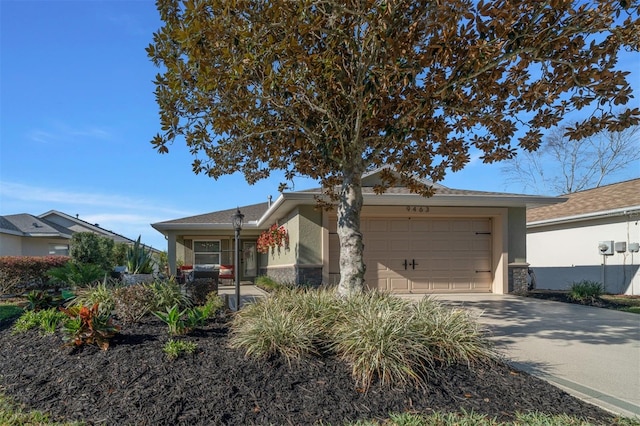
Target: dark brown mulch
pixel 563 296
pixel 134 383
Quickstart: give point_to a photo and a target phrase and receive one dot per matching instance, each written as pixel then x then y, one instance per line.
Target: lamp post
pixel 236 220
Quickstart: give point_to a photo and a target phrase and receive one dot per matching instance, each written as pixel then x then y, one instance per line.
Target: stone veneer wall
pixel 518 278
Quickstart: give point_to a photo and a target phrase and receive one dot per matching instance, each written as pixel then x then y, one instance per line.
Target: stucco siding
pixel 34 246
pixel 285 255
pixel 517 234
pixel 304 226
pixel 10 245
pixel 302 260
pixel 309 235
pixel 562 254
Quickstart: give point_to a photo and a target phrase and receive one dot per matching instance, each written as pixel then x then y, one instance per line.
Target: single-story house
pixel 455 241
pixel 47 234
pixel 593 236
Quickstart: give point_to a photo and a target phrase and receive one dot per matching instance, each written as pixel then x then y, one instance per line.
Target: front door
pixel 249 257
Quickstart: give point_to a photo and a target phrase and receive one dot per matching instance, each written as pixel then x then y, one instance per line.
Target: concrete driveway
pixel 592 353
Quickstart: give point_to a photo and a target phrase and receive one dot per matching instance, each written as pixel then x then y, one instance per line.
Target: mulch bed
pixel 133 383
pixel 563 296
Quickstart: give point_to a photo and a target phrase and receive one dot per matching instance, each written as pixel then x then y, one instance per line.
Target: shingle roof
pixel 30 225
pixel 251 213
pixel 603 199
pixel 439 190
pixel 6 225
pixel 255 211
pixel 118 238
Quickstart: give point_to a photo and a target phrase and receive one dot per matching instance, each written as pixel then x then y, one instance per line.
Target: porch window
pixel 206 252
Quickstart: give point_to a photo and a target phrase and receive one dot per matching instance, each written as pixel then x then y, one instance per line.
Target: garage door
pixel 428 255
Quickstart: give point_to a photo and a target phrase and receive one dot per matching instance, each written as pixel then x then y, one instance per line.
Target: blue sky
pixel 77 112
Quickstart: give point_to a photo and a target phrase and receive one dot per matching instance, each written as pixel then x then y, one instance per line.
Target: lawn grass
pixel 13 414
pixel 9 311
pixel 465 418
pixel 630 303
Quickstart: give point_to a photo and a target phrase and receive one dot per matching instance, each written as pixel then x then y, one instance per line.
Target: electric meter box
pixel 620 246
pixel 605 248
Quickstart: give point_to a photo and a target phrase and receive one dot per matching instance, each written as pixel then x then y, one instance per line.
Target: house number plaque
pixel 418 209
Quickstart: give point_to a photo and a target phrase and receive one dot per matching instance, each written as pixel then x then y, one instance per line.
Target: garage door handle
pixel 405 264
pixel 482 270
pixel 413 264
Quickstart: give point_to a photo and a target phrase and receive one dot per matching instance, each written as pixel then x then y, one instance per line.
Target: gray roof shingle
pixel 251 213
pixel 28 225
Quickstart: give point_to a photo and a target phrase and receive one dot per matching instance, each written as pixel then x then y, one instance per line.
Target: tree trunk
pixel 352 267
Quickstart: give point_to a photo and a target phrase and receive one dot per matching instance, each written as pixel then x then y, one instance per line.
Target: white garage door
pixel 428 255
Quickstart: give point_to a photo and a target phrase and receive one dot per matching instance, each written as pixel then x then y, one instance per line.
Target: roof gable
pixel 28 225
pixel 75 224
pixel 591 202
pixel 251 213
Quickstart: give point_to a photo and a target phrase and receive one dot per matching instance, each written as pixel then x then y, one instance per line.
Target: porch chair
pixel 227 273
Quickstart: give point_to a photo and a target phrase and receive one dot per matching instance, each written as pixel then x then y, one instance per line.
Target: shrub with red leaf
pixel 87 326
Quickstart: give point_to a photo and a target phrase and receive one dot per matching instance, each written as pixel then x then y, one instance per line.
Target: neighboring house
pixel 593 236
pixel 46 234
pixel 455 241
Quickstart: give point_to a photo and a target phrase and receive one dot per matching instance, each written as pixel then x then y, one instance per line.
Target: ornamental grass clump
pixel 275 326
pixel 584 291
pixel 379 335
pixel 102 294
pixel 375 336
pixel 449 335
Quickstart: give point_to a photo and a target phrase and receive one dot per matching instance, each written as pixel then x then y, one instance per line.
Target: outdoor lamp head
pixel 237 219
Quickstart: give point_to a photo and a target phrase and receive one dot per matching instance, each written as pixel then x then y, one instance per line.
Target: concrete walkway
pixel 592 353
pixel 249 293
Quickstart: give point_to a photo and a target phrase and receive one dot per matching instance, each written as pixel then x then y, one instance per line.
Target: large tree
pixel 562 165
pixel 330 88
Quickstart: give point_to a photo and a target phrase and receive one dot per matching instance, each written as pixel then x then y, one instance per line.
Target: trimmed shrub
pixel 132 303
pixel 22 273
pixel 87 247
